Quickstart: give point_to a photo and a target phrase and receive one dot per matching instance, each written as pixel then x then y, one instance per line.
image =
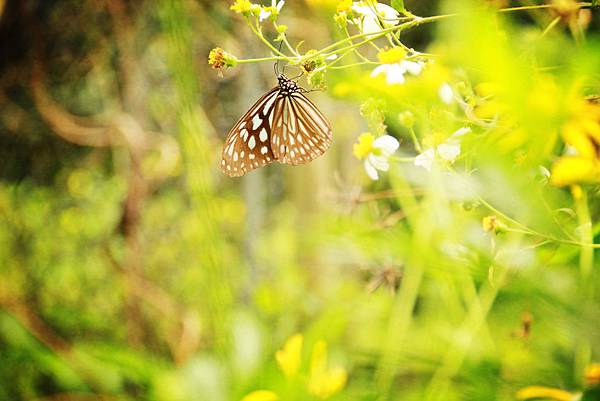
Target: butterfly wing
pixel 248 144
pixel 300 132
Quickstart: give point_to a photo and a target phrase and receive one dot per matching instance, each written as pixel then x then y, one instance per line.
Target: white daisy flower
pixel 373 18
pixel 375 152
pixel 266 12
pixel 394 72
pixel 449 150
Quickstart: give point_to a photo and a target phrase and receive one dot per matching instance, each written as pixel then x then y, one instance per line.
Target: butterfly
pixel 283 125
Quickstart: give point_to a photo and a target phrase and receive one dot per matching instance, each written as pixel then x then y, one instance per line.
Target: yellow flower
pixel 289 357
pixel 582 133
pixel 261 395
pixel 324 382
pixel 394 55
pixel 244 7
pixel 545 392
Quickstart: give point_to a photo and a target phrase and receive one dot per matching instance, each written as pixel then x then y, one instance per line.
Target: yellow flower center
pixel 364 146
pixel 394 55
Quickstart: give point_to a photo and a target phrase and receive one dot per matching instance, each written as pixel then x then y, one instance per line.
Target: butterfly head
pixel 287 85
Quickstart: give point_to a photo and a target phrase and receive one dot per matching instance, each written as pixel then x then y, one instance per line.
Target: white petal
pixel 387 144
pixel 449 151
pixel 362 10
pixel 460 132
pixel 263 15
pixel 379 162
pixel 412 66
pixel 380 69
pixel 389 14
pixel 425 159
pixel 395 74
pixel 370 24
pixel 280 5
pixel 371 172
pixel 446 93
pixel 332 57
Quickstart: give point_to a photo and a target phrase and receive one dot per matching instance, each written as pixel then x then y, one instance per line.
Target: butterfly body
pixel 283 125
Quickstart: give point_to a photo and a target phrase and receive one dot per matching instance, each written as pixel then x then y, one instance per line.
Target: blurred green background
pixel 132 269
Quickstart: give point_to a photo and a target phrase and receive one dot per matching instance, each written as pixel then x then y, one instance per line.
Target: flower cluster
pixel 247 9
pixel 321 381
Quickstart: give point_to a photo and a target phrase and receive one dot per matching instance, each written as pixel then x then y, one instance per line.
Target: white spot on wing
pixel 251 143
pixel 263 135
pixel 264 150
pixel 256 120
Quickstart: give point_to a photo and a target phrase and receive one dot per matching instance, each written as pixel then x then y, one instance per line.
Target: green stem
pixel 413 135
pixel 258 32
pixel 523 229
pixel 258 60
pixel 550 26
pixel 586 258
pixel 341 67
pixel 285 40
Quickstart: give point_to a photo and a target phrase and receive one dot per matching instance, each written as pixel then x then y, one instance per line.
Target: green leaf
pixel 399 5
pixel 595 3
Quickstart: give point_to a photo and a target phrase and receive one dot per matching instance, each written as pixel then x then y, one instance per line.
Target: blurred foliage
pixel 132 269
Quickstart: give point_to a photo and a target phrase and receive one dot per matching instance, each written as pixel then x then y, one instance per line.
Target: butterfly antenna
pixel 276 65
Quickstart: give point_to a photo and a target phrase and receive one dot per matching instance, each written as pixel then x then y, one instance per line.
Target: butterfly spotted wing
pixel 283 125
pixel 300 132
